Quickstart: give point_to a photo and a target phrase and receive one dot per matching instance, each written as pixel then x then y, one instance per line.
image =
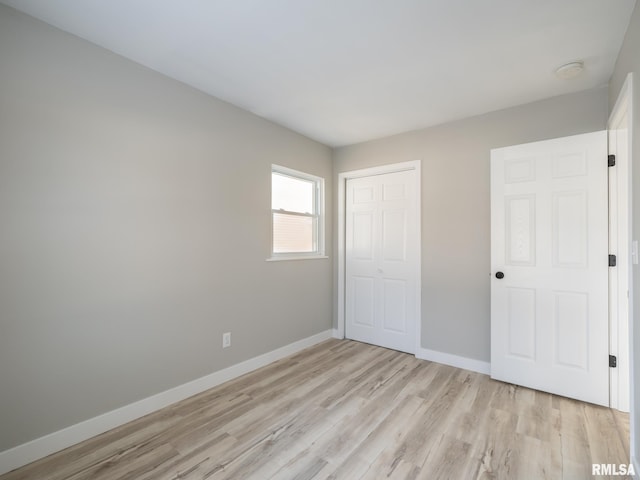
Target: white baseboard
pixel 335 333
pixel 454 360
pixel 41 447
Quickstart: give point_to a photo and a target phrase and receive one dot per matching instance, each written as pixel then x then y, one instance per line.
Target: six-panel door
pixel 382 260
pixel 549 231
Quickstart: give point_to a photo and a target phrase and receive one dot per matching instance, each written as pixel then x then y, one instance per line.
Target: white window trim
pixel 320 213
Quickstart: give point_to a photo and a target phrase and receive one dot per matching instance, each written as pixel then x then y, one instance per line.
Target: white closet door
pixel 382 260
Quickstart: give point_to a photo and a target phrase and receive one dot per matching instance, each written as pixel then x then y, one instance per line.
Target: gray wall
pixel 134 228
pixel 629 61
pixel 456 206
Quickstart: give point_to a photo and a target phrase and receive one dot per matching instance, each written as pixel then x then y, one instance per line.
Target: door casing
pixel 621 280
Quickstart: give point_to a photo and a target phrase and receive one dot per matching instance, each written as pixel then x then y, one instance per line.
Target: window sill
pixel 281 258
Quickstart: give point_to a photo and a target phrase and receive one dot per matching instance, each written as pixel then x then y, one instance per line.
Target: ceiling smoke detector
pixel 570 70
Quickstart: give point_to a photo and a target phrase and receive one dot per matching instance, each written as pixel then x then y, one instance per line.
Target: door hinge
pixel 612 260
pixel 613 361
pixel 611 160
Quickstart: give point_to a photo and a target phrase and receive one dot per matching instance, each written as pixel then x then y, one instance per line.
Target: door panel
pixel 394 235
pixel 521 229
pixel 570 241
pixel 382 267
pixel 395 305
pixel 522 322
pixel 549 228
pixel 363 235
pixel 570 316
pixel 363 301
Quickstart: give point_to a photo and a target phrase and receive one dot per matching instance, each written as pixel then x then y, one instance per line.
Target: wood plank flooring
pixel 347 410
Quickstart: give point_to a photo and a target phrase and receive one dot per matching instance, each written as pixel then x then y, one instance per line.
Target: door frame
pixel 342 186
pixel 621 280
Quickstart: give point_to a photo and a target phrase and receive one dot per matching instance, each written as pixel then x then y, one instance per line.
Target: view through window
pixel 295 210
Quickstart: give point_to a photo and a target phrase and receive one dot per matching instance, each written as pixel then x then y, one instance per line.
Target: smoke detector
pixel 570 70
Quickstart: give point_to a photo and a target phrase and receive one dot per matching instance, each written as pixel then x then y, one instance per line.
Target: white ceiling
pixel 346 71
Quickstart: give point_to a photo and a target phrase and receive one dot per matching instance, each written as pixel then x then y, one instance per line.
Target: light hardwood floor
pixel 347 410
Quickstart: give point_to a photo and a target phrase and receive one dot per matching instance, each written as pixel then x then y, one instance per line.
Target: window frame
pixel 318 215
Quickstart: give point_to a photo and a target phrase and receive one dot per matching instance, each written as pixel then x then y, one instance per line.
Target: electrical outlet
pixel 226 340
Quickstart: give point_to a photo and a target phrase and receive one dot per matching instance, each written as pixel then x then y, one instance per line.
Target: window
pixel 296 214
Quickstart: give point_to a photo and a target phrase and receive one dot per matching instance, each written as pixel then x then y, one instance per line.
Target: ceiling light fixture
pixel 570 70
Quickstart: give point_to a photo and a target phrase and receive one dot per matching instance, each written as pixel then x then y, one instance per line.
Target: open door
pixel 550 261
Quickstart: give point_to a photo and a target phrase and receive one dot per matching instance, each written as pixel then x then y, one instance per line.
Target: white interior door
pixel 549 231
pixel 382 260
